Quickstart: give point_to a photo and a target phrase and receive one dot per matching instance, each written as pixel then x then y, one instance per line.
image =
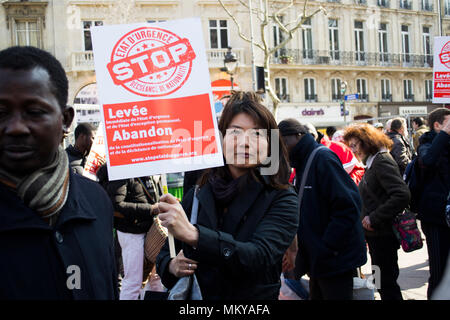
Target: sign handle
pixel 169 235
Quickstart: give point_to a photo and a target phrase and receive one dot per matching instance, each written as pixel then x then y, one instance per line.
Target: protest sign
pixel 97 155
pixel 441 70
pixel 155 91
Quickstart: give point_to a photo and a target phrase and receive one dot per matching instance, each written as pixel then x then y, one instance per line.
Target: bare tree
pixel 269 13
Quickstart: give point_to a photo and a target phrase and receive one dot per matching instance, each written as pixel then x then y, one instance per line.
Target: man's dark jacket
pixel 401 151
pixel 131 201
pixel 76 159
pixel 239 258
pixel 330 234
pixel 41 262
pixel 434 157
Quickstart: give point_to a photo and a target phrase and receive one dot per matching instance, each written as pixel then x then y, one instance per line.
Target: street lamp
pixel 343 90
pixel 230 64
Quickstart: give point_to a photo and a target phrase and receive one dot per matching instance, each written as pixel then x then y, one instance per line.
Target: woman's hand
pixel 174 218
pixel 180 266
pixel 366 224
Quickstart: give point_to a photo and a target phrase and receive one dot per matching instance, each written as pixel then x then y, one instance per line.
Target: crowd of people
pixel 333 196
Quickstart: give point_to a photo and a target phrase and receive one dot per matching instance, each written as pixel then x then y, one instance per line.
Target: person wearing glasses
pixel 384 194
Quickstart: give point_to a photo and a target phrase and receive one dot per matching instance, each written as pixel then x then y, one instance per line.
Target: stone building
pixel 381 49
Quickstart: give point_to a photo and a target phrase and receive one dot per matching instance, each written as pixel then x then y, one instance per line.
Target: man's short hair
pixel 83 128
pixel 330 131
pixel 437 115
pixel 292 126
pixel 419 121
pixel 396 124
pixel 28 58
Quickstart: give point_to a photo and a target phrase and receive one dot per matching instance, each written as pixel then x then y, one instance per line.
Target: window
pixel 336 89
pixel 405 44
pixel 447 7
pixel 386 90
pixel 334 38
pixel 383 3
pixel 307 40
pixel 361 87
pixel 426 5
pixel 408 90
pixel 383 42
pixel 359 41
pixel 428 90
pixel 218 34
pixel 27 33
pixel 87 41
pixel 405 4
pixel 427 46
pixel 278 38
pixel 310 90
pixel 281 89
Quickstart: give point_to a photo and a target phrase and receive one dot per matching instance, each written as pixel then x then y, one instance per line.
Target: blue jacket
pixel 330 234
pixel 41 262
pixel 434 156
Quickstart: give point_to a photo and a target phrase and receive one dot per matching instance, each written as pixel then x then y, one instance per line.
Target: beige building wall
pixel 62 34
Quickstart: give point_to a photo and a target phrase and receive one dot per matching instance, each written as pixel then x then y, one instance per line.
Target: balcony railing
pixel 311 97
pixel 387 97
pixel 352 58
pixel 409 97
pixel 284 97
pixel 82 61
pixel 363 97
pixel 362 2
pixel 405 5
pixel 336 97
pixel 447 10
pixel 426 6
pixel 383 3
pixel 428 97
pixel 216 56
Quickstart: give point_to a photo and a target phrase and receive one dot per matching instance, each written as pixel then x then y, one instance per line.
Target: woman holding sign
pixel 247 214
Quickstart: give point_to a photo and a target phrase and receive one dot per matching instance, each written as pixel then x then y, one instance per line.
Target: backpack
pixel 412 178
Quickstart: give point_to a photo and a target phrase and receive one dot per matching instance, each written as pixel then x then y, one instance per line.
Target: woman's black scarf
pixel 225 189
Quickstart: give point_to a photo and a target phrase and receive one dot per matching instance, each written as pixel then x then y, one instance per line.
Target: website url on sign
pixel 165 156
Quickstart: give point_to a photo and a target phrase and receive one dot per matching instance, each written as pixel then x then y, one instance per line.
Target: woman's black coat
pixel 242 259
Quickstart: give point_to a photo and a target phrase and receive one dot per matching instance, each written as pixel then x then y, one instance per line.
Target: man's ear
pixel 68 115
pixel 436 126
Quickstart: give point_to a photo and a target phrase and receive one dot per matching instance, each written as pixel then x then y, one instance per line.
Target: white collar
pixel 372 157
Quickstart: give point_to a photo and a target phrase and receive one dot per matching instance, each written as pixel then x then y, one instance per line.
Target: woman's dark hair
pixel 372 139
pixel 250 104
pixel 28 58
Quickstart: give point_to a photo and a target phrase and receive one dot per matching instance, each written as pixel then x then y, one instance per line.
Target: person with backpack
pixel 434 164
pixel 384 195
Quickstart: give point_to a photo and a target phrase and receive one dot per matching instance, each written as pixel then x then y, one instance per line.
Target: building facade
pixel 381 49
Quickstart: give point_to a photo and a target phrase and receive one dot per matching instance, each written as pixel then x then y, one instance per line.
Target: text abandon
pixel 151 61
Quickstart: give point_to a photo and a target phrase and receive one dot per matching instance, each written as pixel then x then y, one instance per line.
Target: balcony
pixel 82 61
pixel 310 97
pixel 363 97
pixel 361 2
pixel 336 97
pixel 216 56
pixel 352 58
pixel 428 97
pixel 386 97
pixel 404 4
pixel 408 97
pixel 384 3
pixel 426 6
pixel 284 97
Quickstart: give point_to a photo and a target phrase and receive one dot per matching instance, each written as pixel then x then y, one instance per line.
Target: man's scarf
pixel 44 190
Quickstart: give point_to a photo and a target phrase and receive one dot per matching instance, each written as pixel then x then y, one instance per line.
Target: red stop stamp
pixel 444 56
pixel 151 62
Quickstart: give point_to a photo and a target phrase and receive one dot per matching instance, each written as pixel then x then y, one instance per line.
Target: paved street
pixel 413 279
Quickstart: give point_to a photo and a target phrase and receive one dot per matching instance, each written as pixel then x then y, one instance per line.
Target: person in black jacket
pixel 246 218
pixel 434 160
pixel 330 236
pixel 384 195
pixel 401 150
pixel 55 226
pixel 78 153
pixel 134 203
